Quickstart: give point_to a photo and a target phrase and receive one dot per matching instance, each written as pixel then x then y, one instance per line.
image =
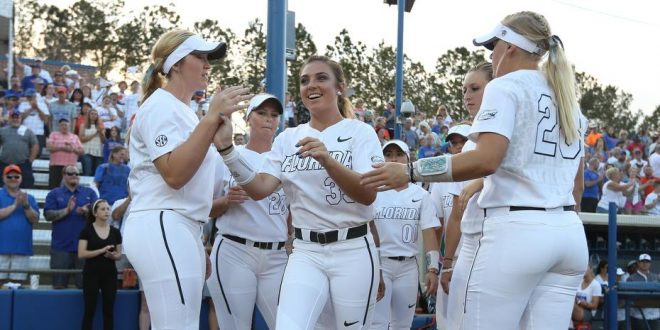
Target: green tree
pixel 353 59
pixel 305 48
pixel 450 69
pixel 223 71
pixel 253 55
pixel 55 33
pixel 380 76
pixel 27 19
pixel 606 105
pixel 652 122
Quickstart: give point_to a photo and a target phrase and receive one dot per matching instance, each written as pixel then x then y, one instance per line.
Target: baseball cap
pixel 63 119
pixel 505 33
pixel 30 92
pixel 644 256
pixel 38 81
pixel 631 263
pixel 402 145
pixel 71 73
pixel 619 271
pixel 195 43
pixel 259 99
pixel 12 94
pixel 11 168
pixel 35 64
pixel 60 89
pixel 462 130
pixel 199 93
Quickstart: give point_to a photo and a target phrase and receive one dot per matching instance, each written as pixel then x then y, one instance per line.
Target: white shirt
pixel 317 203
pixel 399 215
pixel 611 196
pixel 261 221
pixel 639 163
pixel 288 110
pixel 654 159
pixel 32 121
pixel 162 124
pixel 539 168
pixel 106 115
pixel 652 197
pixel 442 199
pixel 592 290
pixel 131 105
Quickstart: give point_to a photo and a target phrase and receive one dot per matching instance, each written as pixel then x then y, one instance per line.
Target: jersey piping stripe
pixel 371 287
pixel 217 275
pixel 169 253
pixel 476 253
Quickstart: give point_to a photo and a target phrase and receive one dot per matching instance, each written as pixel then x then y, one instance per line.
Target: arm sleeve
pixel 33 203
pixel 84 234
pixel 51 202
pixel 366 149
pixel 497 112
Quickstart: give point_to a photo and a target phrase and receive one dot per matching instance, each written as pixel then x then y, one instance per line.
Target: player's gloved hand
pixel 386 176
pixel 381 288
pixel 313 147
pixel 227 101
pixel 445 278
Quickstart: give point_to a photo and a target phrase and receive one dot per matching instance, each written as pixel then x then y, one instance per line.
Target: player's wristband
pixel 239 168
pixel 432 259
pixel 433 270
pixel 433 169
pixel 447 270
pixel 223 150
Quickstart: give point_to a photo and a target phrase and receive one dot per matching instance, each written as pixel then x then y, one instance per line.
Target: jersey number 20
pixel 548 134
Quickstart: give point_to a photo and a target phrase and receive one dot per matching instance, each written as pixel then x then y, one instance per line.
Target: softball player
pixel 397 215
pixel 532 250
pixel 248 256
pixel 319 165
pixel 171 165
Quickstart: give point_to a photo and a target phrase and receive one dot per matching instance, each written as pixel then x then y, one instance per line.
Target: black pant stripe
pixel 371 287
pixel 279 294
pixel 176 273
pixel 217 275
pixel 476 253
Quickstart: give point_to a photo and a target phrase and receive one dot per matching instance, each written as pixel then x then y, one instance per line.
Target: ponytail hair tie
pixel 553 42
pixel 147 75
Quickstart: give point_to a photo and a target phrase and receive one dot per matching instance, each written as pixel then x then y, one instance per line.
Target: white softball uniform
pixel 345 270
pixel 162 234
pixel 248 256
pixel 532 253
pixel 398 216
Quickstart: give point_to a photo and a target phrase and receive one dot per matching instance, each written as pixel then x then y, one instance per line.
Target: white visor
pixel 462 130
pixel 505 33
pixel 402 145
pixel 259 99
pixel 195 43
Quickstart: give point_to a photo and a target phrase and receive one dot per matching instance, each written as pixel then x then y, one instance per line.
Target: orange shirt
pixel 592 138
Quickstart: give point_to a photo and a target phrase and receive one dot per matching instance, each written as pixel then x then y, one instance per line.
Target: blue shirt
pixel 590 192
pixel 16 229
pixel 425 152
pixel 108 145
pixel 66 231
pixel 27 83
pixel 112 180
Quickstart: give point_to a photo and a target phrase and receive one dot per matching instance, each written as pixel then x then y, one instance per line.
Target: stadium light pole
pixel 275 48
pixel 403 5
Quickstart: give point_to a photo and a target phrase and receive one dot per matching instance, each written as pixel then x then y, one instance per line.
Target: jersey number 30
pixel 548 134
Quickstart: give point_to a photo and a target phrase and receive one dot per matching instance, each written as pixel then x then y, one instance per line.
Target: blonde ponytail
pixel 345 107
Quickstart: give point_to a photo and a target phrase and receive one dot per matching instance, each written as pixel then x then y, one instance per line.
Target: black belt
pixel 528 208
pixel 400 258
pixel 260 245
pixel 333 235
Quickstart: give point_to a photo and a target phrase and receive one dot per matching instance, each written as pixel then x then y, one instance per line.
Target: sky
pixel 614 41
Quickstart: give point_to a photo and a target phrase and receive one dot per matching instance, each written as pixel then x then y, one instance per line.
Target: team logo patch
pixel 377 159
pixel 488 114
pixel 161 140
pixel 432 165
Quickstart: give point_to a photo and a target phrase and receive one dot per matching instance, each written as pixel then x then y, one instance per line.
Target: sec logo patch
pixel 161 140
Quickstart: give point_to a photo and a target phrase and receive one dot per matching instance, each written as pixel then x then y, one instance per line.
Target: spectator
pixel 131 104
pixel 425 130
pixel 118 105
pixel 369 118
pixel 601 277
pixel 593 178
pixel 108 113
pixel 77 99
pixel 289 111
pixel 11 105
pixel 610 138
pixel 652 315
pixel 359 109
pixel 587 299
pixel 618 158
pixel 67 206
pixel 18 213
pixel 645 140
pixel 61 109
pixel 443 112
pixel 113 139
pixel 197 100
pixel 111 178
pixel 637 160
pixel 28 70
pixel 382 131
pixel 100 246
pixel 18 145
pixel 636 144
pixel 35 116
pixel 631 268
pixel 654 160
pixel 28 78
pixel 598 150
pixel 64 148
pixel 614 191
pixel 427 147
pixel 82 116
pixel 652 203
pixel 39 86
pixel 58 80
pixel 87 94
pixel 92 137
pixel 15 87
pixel 302 114
pixel 634 202
pixel 409 136
pixel 239 139
pixel 390 118
pixel 49 96
pixel 647 180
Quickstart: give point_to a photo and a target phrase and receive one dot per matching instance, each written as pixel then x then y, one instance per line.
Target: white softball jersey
pixel 441 198
pixel 162 124
pixel 473 216
pixel 316 202
pixel 539 167
pixel 399 215
pixel 261 221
